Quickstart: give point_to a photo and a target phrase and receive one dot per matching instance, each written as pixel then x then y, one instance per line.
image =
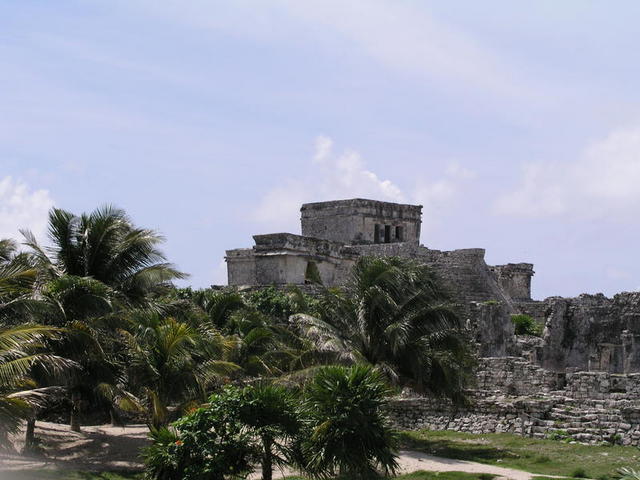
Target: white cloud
pixel 220 274
pixel 404 36
pixel 22 207
pixel 398 35
pixel 334 176
pixel 604 180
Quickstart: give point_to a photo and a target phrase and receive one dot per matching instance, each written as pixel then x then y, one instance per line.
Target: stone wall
pixel 516 377
pixel 592 332
pixel 512 395
pixel 354 221
pixel 515 279
pixel 589 421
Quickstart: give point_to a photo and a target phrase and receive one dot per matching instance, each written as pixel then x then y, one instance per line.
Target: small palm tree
pixel 174 363
pixel 348 432
pixel 628 473
pixel 394 314
pixel 271 415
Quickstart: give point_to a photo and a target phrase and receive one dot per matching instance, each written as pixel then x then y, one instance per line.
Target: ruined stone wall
pixel 284 258
pixel 589 421
pixel 241 267
pixel 464 271
pixel 592 332
pixel 491 328
pixel 515 279
pixel 515 376
pixel 512 395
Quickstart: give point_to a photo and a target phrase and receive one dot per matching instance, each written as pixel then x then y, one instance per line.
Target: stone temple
pixel 336 233
pixel 581 377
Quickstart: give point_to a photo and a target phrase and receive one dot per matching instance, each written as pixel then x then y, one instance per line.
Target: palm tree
pixel 17 283
pixel 98 267
pixel 22 348
pixel 271 415
pixel 174 363
pixel 84 307
pixel 628 473
pixel 106 246
pixel 348 432
pixel 394 314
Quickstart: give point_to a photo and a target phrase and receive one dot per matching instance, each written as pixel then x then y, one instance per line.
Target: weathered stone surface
pixel 512 395
pixel 335 233
pixel 593 332
pixel 357 221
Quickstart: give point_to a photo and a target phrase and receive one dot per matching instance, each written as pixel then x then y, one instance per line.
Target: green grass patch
pixel 532 455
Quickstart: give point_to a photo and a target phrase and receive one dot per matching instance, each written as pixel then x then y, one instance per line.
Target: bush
pixel 348 433
pixel 526 325
pixel 223 439
pixel 207 444
pixel 579 473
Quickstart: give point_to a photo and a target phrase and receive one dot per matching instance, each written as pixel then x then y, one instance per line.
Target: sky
pixel 515 124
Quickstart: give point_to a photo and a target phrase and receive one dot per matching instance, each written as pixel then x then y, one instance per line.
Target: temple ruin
pixel 582 375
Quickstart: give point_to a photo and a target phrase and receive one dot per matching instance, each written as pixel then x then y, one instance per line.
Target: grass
pixel 532 455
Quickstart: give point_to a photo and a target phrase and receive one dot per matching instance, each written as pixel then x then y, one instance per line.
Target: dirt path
pixel 412 461
pixel 103 448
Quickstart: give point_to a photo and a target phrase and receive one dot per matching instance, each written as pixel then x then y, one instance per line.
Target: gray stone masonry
pixel 360 221
pixel 515 396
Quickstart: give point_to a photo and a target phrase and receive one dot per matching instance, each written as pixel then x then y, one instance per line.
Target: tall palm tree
pixel 106 246
pixel 394 314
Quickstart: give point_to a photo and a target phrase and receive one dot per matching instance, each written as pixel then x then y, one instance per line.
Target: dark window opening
pixel 399 234
pixel 376 234
pixel 312 274
pixel 387 233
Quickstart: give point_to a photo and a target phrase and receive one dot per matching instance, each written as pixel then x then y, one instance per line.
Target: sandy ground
pixel 411 461
pixel 96 448
pixel 101 448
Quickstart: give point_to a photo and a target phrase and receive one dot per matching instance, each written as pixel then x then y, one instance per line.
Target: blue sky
pixel 515 124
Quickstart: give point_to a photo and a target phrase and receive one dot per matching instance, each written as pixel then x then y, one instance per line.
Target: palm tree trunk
pixel 75 412
pixel 267 461
pixel 29 437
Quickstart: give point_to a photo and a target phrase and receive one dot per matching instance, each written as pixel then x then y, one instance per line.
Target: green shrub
pixel 223 439
pixel 542 459
pixel 347 431
pixel 281 304
pixel 209 443
pixel 559 435
pixel 579 473
pixel 526 325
